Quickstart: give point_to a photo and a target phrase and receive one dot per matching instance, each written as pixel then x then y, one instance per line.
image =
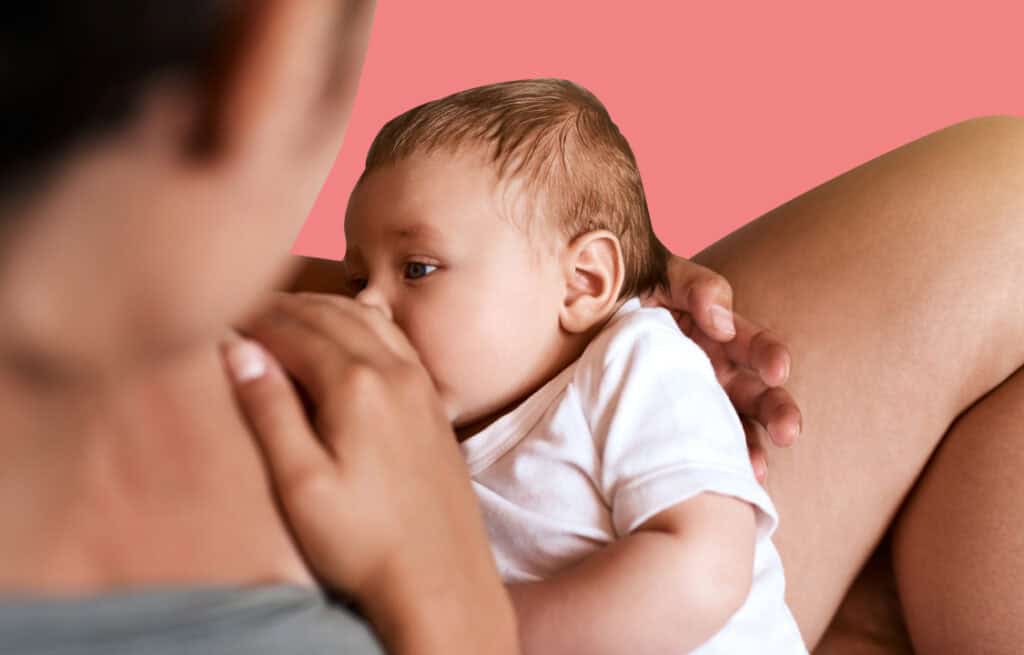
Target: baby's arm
pixel 667 587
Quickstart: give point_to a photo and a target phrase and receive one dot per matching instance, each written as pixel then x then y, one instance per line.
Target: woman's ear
pixel 593 269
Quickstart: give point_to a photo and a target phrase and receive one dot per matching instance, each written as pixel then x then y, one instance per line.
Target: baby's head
pixel 500 227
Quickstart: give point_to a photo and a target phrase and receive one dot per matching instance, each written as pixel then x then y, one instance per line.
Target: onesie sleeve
pixel 663 427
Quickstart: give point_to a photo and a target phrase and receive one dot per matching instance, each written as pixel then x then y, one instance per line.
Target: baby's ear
pixel 593 268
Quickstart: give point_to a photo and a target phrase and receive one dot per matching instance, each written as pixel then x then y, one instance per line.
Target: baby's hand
pixel 751 363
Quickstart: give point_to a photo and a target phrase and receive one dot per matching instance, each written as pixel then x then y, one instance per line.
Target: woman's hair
pixel 71 71
pixel 558 139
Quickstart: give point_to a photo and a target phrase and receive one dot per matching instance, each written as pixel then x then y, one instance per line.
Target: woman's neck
pixel 151 479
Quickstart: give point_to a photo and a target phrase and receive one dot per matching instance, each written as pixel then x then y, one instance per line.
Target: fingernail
pixel 246 361
pixel 721 318
pixel 791 435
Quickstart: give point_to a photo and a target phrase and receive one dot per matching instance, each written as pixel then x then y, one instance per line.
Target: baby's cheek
pixel 462 362
pixel 463 340
pixel 438 346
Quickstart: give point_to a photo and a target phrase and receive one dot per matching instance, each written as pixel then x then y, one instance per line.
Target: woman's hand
pixel 371 480
pixel 751 364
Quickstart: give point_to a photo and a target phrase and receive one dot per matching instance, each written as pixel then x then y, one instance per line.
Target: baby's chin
pixel 466 422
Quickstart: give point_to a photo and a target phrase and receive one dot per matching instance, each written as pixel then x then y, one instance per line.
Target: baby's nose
pixel 372 297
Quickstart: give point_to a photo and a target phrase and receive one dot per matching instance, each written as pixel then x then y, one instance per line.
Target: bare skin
pixel 896 288
pixel 124 462
pixel 894 285
pixel 836 493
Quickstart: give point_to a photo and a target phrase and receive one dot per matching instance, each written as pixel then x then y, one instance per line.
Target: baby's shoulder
pixel 637 332
pixel 640 342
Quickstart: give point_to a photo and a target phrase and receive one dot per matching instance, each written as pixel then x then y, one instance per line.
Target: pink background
pixel 732 108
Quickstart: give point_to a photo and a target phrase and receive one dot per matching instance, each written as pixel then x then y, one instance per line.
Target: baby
pixel 505 230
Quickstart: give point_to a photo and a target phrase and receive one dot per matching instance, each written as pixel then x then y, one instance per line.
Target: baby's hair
pixel 558 139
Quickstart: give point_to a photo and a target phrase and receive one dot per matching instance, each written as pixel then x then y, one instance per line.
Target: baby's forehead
pixel 444 189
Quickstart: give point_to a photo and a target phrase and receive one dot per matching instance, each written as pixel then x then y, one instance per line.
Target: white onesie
pixel 636 425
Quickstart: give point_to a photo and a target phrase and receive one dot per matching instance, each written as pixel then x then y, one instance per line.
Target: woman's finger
pixel 330 313
pixel 758 460
pixel 758 349
pixel 772 407
pixel 362 331
pixel 709 301
pixel 700 292
pixel 317 337
pixel 312 359
pixel 275 414
pixel 685 323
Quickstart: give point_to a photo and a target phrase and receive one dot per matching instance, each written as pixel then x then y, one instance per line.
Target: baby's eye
pixel 415 270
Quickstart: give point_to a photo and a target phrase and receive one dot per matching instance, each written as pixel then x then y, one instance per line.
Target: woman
pixel 151 172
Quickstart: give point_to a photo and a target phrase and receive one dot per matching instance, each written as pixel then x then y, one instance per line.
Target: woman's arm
pixel 372 484
pixel 665 588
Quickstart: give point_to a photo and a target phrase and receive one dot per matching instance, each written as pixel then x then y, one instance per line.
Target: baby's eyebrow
pixel 416 231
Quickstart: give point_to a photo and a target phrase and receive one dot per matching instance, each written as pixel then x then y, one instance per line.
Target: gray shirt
pixel 216 621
